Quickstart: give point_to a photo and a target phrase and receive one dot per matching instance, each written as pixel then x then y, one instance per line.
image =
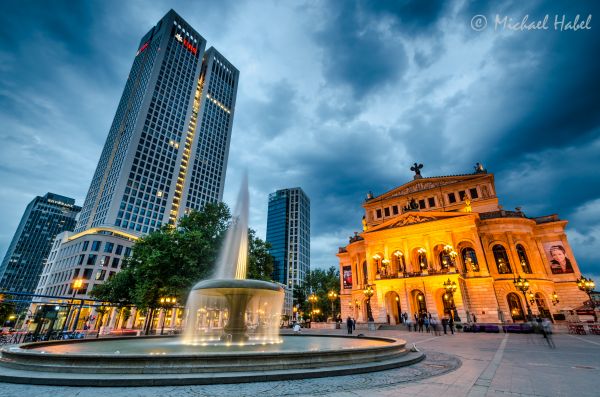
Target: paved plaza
pixel 457 365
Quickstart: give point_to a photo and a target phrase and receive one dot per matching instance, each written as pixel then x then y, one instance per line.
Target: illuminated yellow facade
pixel 450 229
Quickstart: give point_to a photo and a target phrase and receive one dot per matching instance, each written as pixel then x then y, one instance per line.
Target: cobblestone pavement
pixel 456 365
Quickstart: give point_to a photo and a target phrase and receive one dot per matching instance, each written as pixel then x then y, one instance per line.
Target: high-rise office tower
pixel 166 153
pixel 288 232
pixel 44 218
pixel 168 146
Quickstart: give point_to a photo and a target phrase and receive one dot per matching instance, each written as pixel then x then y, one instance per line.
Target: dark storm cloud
pixel 339 98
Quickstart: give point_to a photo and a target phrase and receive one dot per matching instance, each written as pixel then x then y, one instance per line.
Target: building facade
pixel 44 218
pixel 430 234
pixel 288 232
pixel 167 149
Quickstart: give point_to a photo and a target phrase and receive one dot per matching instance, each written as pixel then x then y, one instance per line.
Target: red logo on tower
pixel 187 44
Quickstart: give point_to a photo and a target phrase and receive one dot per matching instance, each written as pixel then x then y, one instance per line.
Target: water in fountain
pixel 228 308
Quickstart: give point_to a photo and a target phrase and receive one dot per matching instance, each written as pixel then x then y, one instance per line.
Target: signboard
pixel 347 277
pixel 557 258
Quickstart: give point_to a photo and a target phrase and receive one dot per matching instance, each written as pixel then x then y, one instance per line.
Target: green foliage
pixel 169 261
pixel 260 262
pixel 6 309
pixel 320 282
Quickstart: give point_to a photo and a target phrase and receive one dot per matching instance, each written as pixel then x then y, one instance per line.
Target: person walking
pixel 426 323
pixel 349 325
pixel 434 326
pixel 547 332
pixel 445 324
pixel 451 324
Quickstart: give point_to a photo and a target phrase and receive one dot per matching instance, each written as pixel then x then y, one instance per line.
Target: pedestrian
pixel 451 324
pixel 474 318
pixel 444 324
pixel 426 322
pixel 433 325
pixel 349 325
pixel 421 324
pixel 547 331
pixel 353 324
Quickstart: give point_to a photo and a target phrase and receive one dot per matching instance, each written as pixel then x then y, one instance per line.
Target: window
pixel 386 211
pixel 95 245
pixel 395 210
pixel 515 307
pixel 431 202
pixel 422 204
pixel 115 263
pixel 85 245
pixel 451 198
pixel 108 247
pixel 501 259
pixel 462 195
pixel 470 260
pixel 104 261
pixel 119 250
pixel 474 193
pixel 81 258
pixel 91 260
pixel 87 273
pixel 100 275
pixel 378 214
pixel 127 251
pixel 523 259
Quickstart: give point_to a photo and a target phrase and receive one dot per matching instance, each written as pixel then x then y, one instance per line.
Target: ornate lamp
pixel 332 295
pixel 587 285
pixel 555 298
pixel 522 284
pixel 451 287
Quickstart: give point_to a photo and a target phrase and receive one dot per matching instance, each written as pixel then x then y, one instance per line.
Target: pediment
pixel 415 217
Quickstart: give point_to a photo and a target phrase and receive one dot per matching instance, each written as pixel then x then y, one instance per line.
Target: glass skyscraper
pixel 44 218
pixel 288 232
pixel 167 149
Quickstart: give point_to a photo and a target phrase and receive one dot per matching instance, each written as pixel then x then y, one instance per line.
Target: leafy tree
pixel 319 282
pixel 169 261
pixel 260 262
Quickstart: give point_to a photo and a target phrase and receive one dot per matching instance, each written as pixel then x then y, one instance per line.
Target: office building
pixel 288 232
pixel 44 218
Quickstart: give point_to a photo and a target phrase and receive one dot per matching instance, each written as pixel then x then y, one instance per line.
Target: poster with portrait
pixel 347 277
pixel 558 259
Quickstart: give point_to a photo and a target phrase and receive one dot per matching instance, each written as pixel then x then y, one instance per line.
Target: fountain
pixel 232 299
pixel 231 336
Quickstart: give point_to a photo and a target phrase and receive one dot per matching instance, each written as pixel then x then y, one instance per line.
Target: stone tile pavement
pixel 471 365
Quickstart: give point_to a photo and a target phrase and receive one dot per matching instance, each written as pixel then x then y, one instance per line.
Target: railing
pixel 430 272
pixel 501 214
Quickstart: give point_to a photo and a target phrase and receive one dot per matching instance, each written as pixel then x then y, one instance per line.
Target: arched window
pixel 515 307
pixel 445 260
pixel 523 259
pixel 501 259
pixel 469 259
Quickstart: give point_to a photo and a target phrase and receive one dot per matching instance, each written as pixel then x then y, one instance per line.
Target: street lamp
pixel 587 285
pixel 522 284
pixel 422 258
pixel 451 287
pixel 368 292
pixel 332 295
pixel 312 298
pixel 166 302
pixel 75 286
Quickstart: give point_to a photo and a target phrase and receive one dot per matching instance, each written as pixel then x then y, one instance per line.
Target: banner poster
pixel 557 258
pixel 347 277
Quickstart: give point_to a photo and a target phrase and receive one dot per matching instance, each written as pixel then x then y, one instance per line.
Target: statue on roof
pixel 417 169
pixel 412 205
pixel 479 169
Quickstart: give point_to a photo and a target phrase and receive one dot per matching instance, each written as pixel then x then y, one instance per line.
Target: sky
pixel 337 97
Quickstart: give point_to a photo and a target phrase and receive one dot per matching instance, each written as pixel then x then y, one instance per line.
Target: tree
pixel 319 282
pixel 260 262
pixel 169 261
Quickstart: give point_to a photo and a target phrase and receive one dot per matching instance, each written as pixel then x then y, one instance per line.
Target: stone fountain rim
pixel 216 283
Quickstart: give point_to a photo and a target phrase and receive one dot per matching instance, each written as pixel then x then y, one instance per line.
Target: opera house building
pixel 444 246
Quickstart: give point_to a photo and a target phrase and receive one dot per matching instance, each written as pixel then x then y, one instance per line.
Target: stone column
pixel 131 319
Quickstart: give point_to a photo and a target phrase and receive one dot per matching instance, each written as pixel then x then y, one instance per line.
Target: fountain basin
pixel 167 361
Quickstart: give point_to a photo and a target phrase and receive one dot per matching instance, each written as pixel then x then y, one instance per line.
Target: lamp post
pixel 398 255
pixel 75 286
pixel 451 287
pixel 312 298
pixel 587 285
pixel 368 292
pixel 332 295
pixel 422 258
pixel 522 284
pixel 166 302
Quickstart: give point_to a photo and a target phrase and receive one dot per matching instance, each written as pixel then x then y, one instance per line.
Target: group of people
pixel 425 322
pixel 350 325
